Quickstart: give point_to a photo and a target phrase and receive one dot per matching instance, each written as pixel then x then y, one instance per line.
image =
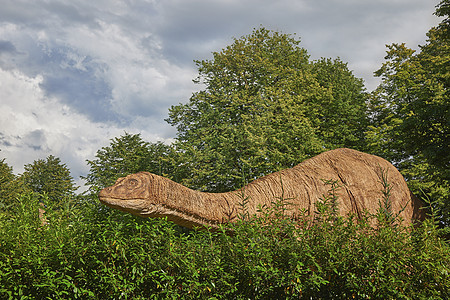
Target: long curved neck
pixel 191 208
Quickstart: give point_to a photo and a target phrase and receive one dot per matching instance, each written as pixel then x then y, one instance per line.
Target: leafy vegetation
pixel 50 177
pixel 265 106
pixel 11 186
pixel 89 252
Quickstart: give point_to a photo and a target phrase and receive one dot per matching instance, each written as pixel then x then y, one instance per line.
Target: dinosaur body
pixel 359 174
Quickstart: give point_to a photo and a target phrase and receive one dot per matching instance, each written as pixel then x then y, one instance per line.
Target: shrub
pixel 87 251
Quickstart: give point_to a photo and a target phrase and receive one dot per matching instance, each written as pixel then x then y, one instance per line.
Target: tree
pixel 263 109
pixel 125 155
pixel 11 186
pixel 443 10
pixel 51 177
pixel 410 114
pixel 6 178
pixel 343 115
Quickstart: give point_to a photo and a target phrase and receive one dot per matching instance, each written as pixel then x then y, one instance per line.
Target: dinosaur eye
pixel 133 182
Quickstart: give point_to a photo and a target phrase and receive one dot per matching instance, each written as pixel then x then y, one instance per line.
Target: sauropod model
pixel 359 174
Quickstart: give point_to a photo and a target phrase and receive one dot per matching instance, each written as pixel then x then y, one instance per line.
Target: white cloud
pixel 34 126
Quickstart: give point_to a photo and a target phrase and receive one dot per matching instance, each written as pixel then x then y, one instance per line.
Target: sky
pixel 74 74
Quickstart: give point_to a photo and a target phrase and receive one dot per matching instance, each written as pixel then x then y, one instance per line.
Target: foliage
pixel 6 176
pixel 84 254
pixel 125 155
pixel 443 10
pixel 342 116
pixel 411 117
pixel 50 177
pixel 265 107
pixel 11 185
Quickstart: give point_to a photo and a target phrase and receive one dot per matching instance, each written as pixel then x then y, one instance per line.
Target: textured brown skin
pixel 149 195
pixel 42 215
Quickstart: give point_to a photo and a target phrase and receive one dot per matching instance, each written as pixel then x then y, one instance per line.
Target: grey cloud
pixel 148 109
pixel 76 80
pixel 8 140
pixel 79 83
pixel 41 15
pixel 83 92
pixel 7 47
pixel 18 12
pixel 8 54
pixel 69 13
pixel 192 30
pixel 36 140
pixel 4 142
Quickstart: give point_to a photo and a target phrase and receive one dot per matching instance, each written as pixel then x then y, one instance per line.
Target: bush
pixel 87 251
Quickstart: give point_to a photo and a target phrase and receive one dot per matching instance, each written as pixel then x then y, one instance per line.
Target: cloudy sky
pixel 76 73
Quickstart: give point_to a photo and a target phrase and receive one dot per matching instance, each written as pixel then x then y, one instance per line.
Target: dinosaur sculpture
pixel 359 174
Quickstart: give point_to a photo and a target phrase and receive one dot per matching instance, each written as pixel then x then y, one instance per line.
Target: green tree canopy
pixel 410 113
pixel 342 116
pixel 11 186
pixel 49 176
pixel 6 177
pixel 443 10
pixel 265 107
pixel 125 155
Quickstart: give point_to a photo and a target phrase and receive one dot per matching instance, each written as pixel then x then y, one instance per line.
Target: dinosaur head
pixel 133 194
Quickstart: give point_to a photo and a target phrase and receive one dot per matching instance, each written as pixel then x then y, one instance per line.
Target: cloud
pixel 102 67
pixel 34 126
pixel 109 60
pixel 7 47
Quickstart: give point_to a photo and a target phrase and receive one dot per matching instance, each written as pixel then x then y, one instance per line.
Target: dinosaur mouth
pixel 137 206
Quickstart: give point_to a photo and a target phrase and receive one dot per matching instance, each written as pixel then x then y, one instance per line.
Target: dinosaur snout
pixel 105 193
pixel 106 190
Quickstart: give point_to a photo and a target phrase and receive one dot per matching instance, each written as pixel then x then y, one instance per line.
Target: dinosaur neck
pixel 190 208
